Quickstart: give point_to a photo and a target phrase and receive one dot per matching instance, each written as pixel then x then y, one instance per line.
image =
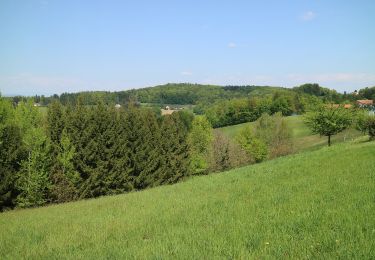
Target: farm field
pixel 303 139
pixel 315 204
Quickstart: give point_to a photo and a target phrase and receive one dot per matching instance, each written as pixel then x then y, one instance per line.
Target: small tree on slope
pixel 328 121
pixel 365 122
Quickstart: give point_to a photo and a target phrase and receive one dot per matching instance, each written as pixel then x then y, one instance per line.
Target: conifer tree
pixel 55 124
pixel 147 153
pixel 174 147
pixel 65 178
pixel 11 153
pixel 94 152
pixel 117 179
pixel 33 180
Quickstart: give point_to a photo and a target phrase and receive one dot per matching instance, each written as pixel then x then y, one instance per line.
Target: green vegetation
pixel 302 137
pixel 77 152
pixel 270 137
pixel 329 121
pixel 199 140
pixel 366 123
pixel 316 204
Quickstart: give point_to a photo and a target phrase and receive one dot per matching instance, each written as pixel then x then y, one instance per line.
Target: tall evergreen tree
pixel 33 181
pixel 65 178
pixel 11 153
pixel 174 148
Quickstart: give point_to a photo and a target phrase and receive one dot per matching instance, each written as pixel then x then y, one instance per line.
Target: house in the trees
pixel 167 111
pixel 365 103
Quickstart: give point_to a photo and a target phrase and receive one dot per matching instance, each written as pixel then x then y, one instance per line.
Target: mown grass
pixel 318 204
pixel 302 137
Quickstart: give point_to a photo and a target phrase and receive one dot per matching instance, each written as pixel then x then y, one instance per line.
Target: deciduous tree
pixel 328 120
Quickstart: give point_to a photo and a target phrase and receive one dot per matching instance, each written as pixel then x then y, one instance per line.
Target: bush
pixel 254 146
pixel 226 154
pixel 365 122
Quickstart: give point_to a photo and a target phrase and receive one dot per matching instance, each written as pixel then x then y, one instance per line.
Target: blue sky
pixel 49 46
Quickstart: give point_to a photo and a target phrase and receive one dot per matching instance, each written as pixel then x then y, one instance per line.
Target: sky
pixel 52 46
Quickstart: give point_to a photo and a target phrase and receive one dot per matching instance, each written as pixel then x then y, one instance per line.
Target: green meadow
pixel 315 204
pixel 302 137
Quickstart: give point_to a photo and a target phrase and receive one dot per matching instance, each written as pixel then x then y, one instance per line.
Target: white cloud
pixel 186 73
pixel 308 16
pixel 232 45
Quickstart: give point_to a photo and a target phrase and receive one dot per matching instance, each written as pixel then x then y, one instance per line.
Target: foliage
pixel 199 141
pixel 226 154
pixel 329 120
pixel 11 153
pixel 367 93
pixel 270 137
pixel 33 180
pixel 365 122
pixel 322 199
pixel 275 133
pixel 174 148
pixel 253 145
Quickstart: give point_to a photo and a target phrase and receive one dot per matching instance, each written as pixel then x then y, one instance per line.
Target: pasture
pixel 315 204
pixel 302 137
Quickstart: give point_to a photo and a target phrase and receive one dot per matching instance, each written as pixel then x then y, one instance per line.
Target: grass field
pixel 316 204
pixel 303 139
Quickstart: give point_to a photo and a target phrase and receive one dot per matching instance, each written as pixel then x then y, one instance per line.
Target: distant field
pixel 43 110
pixel 317 204
pixel 302 137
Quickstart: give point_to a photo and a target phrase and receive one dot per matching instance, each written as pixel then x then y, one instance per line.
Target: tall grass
pixel 318 204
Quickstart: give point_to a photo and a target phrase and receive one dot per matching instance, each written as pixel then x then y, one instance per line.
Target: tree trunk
pixel 329 140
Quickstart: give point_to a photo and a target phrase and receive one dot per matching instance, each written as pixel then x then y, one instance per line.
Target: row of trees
pixel 330 120
pixel 83 152
pixel 241 110
pixel 79 151
pixel 196 94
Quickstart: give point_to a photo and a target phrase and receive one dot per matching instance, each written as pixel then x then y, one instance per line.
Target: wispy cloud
pixel 232 45
pixel 308 16
pixel 186 73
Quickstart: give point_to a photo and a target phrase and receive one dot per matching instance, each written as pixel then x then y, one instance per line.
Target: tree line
pixel 83 152
pixel 241 110
pixel 197 94
pixel 79 151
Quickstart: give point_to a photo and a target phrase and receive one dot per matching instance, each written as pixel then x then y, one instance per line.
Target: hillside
pixel 302 137
pixel 316 204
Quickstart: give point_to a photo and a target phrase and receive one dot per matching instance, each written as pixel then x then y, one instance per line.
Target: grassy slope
pixel 313 204
pixel 302 137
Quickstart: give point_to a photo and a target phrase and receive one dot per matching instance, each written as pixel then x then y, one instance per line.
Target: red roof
pixel 365 102
pixel 340 105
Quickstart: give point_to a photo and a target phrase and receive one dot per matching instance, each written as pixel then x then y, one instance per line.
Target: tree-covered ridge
pixel 194 94
pixel 172 93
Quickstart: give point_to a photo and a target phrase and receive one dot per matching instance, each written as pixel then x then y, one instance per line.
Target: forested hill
pixel 185 93
pixel 193 94
pixel 172 93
